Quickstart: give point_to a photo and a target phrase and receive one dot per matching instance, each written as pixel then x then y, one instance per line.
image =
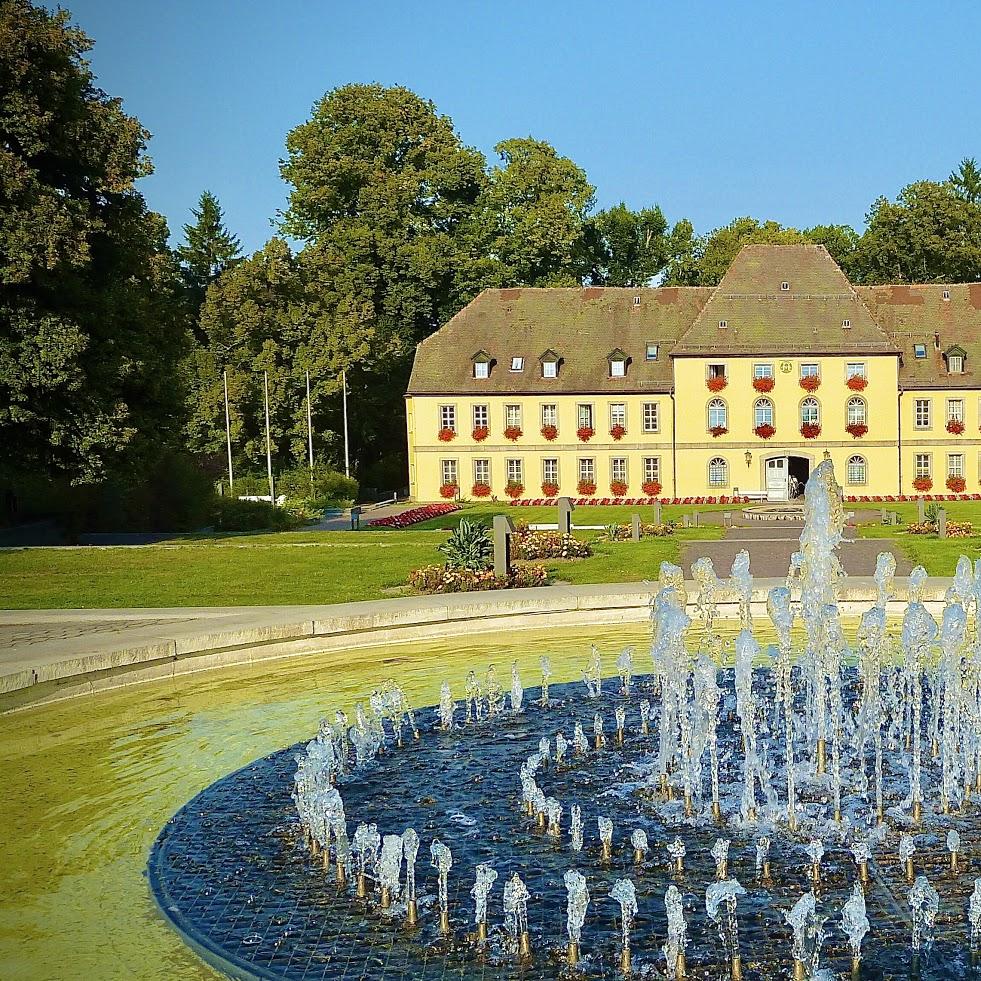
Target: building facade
pixel 694 391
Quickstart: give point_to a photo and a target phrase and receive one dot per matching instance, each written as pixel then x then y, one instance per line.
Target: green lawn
pixel 937 555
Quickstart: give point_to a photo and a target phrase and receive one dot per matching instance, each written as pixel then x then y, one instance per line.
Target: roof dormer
pixel 549 361
pixel 618 363
pixel 955 357
pixel 482 362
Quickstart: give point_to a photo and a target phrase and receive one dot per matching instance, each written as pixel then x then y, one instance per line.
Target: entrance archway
pixel 786 476
pixel 798 470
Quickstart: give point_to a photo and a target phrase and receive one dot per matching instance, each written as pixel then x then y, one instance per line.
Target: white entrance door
pixel 776 479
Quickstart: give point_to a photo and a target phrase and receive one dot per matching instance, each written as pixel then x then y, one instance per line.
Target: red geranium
pixel 856 429
pixel 480 433
pixel 718 430
pixel 766 431
pixel 923 484
pixel 857 383
pixel 550 432
pixel 446 434
pixel 763 384
pixel 810 430
pixel 810 383
pixel 956 484
pixel 618 488
pixel 717 384
pixel 586 487
pixel 550 488
pixel 480 490
pixel 448 491
pixel 514 489
pixel 618 431
pixel 955 426
pixel 585 433
pixel 651 487
pixel 512 432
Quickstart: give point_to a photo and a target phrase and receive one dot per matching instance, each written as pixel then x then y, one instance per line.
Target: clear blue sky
pixel 800 112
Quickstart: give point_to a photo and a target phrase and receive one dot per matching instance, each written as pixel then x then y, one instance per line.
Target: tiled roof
pixel 916 315
pixel 582 326
pixel 761 317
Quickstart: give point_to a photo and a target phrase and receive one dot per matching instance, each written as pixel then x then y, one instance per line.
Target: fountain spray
pixel 808 931
pixel 516 898
pixel 592 674
pixel 855 925
pixel 576 903
pixel 390 869
pixel 677 851
pixel 638 841
pixel 720 905
pixel 625 669
pixel 517 690
pixel 546 666
pixel 447 707
pixel 720 853
pixel 485 879
pixel 919 633
pixel 924 903
pixel 575 830
pixel 624 893
pixel 442 860
pixel 674 948
pixel 410 848
pixel 605 826
pixel 778 608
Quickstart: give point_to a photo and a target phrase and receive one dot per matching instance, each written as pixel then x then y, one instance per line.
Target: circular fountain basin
pixel 775 512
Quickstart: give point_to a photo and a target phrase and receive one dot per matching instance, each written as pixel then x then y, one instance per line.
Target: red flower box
pixel 766 431
pixel 923 484
pixel 512 433
pixel 480 433
pixel 763 384
pixel 586 487
pixel 585 433
pixel 480 490
pixel 716 384
pixel 651 487
pixel 446 434
pixel 550 489
pixel 810 383
pixel 857 383
pixel 448 491
pixel 550 432
pixel 618 432
pixel 810 430
pixel 514 489
pixel 618 488
pixel 956 484
pixel 718 431
pixel 856 429
pixel 955 426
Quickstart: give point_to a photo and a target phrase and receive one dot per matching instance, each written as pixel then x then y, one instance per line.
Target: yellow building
pixel 692 391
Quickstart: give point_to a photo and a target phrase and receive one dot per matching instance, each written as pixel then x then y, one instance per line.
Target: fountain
pixel 578 900
pixel 624 893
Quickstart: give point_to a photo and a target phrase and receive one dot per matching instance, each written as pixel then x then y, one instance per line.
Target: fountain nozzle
pixel 386 897
pixel 625 966
pixel 444 923
pixel 524 946
pixel 362 887
pixel 412 916
pixel 572 953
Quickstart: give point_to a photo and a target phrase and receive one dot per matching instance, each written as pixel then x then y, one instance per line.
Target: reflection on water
pixel 87 784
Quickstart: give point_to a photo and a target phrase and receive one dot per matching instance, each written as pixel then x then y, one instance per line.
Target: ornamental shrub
pixel 231 514
pixel 327 485
pixel 470 547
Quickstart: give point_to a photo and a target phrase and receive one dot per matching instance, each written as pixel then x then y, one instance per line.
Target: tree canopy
pixel 209 248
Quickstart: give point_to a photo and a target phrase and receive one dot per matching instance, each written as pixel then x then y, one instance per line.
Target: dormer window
pixel 481 364
pixel 846 324
pixel 618 363
pixel 636 301
pixel 946 294
pixel 723 324
pixel 517 364
pixel 955 357
pixel 785 287
pixel 550 364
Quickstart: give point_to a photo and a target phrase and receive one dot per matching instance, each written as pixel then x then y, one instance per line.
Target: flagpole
pixel 347 459
pixel 272 489
pixel 228 434
pixel 310 432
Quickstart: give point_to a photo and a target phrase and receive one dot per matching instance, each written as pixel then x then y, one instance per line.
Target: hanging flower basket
pixel 512 433
pixel 857 383
pixel 856 429
pixel 810 430
pixel 480 433
pixel 763 384
pixel 766 431
pixel 514 489
pixel 550 488
pixel 651 487
pixel 550 432
pixel 717 431
pixel 449 491
pixel 618 488
pixel 480 490
pixel 923 484
pixel 586 488
pixel 955 426
pixel 585 433
pixel 446 434
pixel 956 484
pixel 810 383
pixel 618 432
pixel 716 384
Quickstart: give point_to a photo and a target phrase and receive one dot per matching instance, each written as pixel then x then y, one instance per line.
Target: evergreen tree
pixel 967 180
pixel 209 249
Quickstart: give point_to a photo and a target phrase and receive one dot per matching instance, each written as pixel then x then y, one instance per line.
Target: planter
pixel 857 383
pixel 766 431
pixel 585 433
pixel 446 434
pixel 923 484
pixel 763 384
pixel 956 484
pixel 618 488
pixel 716 384
pixel 810 430
pixel 955 426
pixel 449 491
pixel 480 433
pixel 856 430
pixel 550 432
pixel 512 433
pixel 480 490
pixel 514 489
pixel 618 432
pixel 586 488
pixel 550 489
pixel 810 383
pixel 718 431
pixel 651 488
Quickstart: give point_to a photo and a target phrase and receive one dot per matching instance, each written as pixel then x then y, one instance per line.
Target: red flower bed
pixel 763 384
pixel 512 432
pixel 448 491
pixel 857 383
pixel 956 484
pixel 550 432
pixel 480 490
pixel 618 488
pixel 766 431
pixel 586 487
pixel 923 484
pixel 856 429
pixel 651 487
pixel 514 489
pixel 414 515
pixel 716 384
pixel 718 431
pixel 446 434
pixel 955 426
pixel 480 433
pixel 585 433
pixel 810 383
pixel 810 430
pixel 618 431
pixel 550 489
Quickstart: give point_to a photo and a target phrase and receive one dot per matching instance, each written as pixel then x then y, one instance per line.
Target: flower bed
pixel 716 384
pixel 437 579
pixel 856 429
pixel 902 498
pixel 585 433
pixel 480 490
pixel 448 491
pixel 648 529
pixel 618 432
pixel 414 515
pixel 766 431
pixel 857 383
pixel 446 434
pixel 763 384
pixel 954 529
pixel 512 433
pixel 529 545
pixel 810 383
pixel 810 430
pixel 550 432
pixel 640 501
pixel 480 433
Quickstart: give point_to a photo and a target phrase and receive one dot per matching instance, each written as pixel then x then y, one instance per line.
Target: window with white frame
pixel 955 410
pixel 763 413
pixel 955 364
pixel 550 414
pixel 514 471
pixel 810 412
pixel 718 414
pixel 955 464
pixel 810 371
pixel 481 369
pixel 652 468
pixel 481 471
pixel 584 415
pixel 652 420
pixel 651 351
pixel 922 466
pixel 857 412
pixel 921 413
pixel 618 414
pixel 718 472
pixel 857 470
pixel 550 470
pixel 716 371
pixel 517 364
pixel 855 369
pixel 587 469
pixel 550 369
pixel 447 417
pixel 763 369
pixel 618 367
pixel 618 469
pixel 480 417
pixel 450 472
pixel 512 416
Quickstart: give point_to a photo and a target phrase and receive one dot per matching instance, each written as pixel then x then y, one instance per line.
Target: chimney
pixel 936 340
